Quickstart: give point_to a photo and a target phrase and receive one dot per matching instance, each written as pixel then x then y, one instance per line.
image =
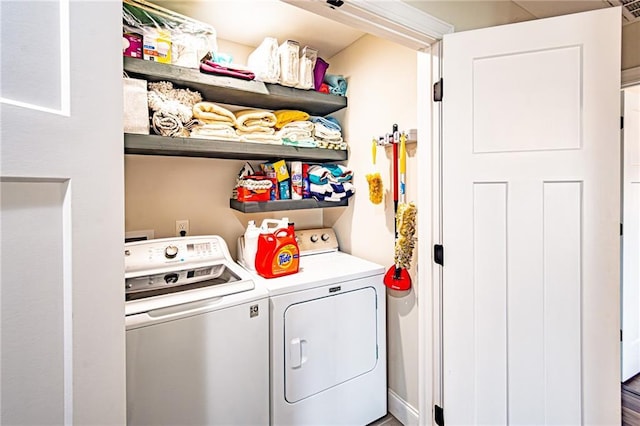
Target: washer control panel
pixel 316 240
pixel 168 252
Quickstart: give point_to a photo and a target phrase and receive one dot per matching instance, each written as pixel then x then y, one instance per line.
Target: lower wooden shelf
pixel 211 148
pixel 279 205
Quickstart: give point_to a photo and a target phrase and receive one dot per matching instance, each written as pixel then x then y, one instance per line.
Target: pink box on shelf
pixel 132 45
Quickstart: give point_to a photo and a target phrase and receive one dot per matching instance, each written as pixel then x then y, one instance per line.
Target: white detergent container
pixel 272 225
pixel 250 245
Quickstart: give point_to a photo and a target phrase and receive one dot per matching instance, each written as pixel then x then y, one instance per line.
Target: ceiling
pixel 249 21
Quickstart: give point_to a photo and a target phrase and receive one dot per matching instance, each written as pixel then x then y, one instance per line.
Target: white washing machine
pixel 328 337
pixel 197 332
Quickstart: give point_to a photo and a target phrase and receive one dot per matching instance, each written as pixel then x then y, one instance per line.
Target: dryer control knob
pixel 170 252
pixel 314 238
pixel 325 237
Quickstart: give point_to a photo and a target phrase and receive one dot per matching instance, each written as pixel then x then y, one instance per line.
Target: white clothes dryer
pixel 328 337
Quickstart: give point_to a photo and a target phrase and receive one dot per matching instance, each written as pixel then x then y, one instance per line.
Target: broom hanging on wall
pixel 406 215
pixel 397 277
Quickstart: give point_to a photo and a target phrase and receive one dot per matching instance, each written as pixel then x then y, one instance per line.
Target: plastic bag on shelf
pixel 264 61
pixel 289 53
pixel 307 64
pixel 168 37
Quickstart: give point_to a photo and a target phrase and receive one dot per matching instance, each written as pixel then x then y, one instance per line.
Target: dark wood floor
pixel 631 402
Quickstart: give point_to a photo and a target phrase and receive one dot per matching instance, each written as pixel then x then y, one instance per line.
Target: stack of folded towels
pixel 330 182
pixel 328 133
pixel 256 125
pixel 294 128
pixel 287 127
pixel 214 122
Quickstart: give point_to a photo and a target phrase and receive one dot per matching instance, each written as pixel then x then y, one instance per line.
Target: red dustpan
pixel 397 278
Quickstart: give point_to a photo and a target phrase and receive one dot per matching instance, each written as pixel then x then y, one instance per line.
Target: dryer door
pixel 329 341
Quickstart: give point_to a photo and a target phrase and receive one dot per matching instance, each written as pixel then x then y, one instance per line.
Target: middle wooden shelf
pixel 214 148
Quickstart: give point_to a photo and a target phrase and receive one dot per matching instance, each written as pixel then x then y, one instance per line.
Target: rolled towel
pixel 211 113
pixel 285 116
pixel 250 118
pixel 337 84
pixel 166 124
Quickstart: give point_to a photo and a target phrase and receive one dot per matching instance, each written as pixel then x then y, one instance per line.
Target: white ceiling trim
pixel 393 20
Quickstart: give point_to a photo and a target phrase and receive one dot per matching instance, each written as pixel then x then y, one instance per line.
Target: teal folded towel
pixel 337 84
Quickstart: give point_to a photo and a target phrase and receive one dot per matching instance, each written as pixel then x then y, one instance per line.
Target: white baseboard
pixel 402 410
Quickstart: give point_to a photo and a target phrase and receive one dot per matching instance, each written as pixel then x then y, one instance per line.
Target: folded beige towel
pixel 214 131
pixel 261 138
pixel 211 113
pixel 248 119
pixel 256 130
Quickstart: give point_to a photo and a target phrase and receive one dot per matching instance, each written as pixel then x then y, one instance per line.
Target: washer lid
pixel 321 269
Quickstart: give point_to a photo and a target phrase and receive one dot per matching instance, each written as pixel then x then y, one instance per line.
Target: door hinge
pixel 621 123
pixel 621 335
pixel 439 415
pixel 620 229
pixel 438 254
pixel 438 91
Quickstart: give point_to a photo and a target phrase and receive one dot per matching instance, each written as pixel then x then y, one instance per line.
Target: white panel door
pixel 530 222
pixel 630 296
pixel 61 216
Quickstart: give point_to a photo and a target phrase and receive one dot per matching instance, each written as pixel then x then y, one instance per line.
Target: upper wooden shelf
pixel 233 91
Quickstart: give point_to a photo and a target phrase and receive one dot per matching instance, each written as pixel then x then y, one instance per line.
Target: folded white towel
pixel 323 133
pixel 294 134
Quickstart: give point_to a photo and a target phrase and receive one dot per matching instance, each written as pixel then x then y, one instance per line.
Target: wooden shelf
pixel 194 147
pixel 233 91
pixel 280 205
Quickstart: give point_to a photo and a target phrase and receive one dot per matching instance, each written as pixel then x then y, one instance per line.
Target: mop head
pixel 375 187
pixel 406 223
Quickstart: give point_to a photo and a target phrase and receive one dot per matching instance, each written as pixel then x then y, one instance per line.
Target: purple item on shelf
pixel 318 73
pixel 210 67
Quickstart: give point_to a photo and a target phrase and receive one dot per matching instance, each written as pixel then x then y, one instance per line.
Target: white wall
pixel 382 91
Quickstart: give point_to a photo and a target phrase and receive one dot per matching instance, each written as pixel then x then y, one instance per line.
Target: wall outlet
pixel 182 228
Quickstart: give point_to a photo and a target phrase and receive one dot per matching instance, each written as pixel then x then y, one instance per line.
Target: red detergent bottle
pixel 278 252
